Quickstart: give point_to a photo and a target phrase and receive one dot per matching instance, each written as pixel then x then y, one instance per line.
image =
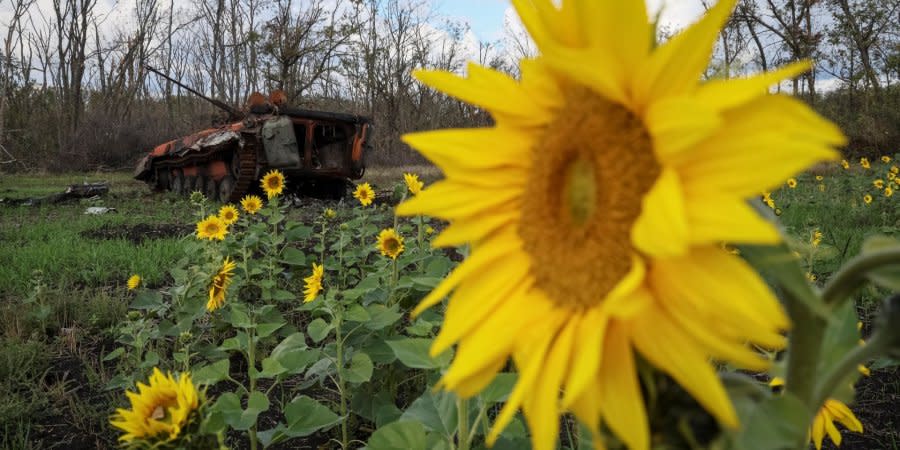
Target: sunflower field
pixel 627 258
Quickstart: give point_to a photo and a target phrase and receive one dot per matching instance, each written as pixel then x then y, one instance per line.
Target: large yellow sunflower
pixel 831 411
pixel 211 228
pixel 390 243
pixel 161 409
pixel 219 285
pixel 229 214
pixel 273 183
pixel 595 209
pixel 313 283
pixel 364 194
pixel 251 204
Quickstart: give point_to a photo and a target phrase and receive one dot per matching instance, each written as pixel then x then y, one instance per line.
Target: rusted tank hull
pixel 226 163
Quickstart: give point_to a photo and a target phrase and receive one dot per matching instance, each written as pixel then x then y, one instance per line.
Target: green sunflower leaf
pixel 398 435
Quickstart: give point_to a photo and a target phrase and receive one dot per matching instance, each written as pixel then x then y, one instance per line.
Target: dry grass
pixel 383 176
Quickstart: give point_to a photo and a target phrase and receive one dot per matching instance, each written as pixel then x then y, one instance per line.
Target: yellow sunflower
pixel 413 183
pixel 819 178
pixel 816 238
pixel 390 243
pixel 161 409
pixel 211 228
pixel 823 423
pixel 845 164
pixel 364 194
pixel 878 184
pixel 867 198
pixel 792 183
pixel 219 285
pixel 329 213
pixel 313 283
pixel 251 204
pixel 767 199
pixel 134 282
pixel 228 214
pixel 895 170
pixel 273 183
pixel 885 159
pixel 864 162
pixel 888 191
pixel 595 207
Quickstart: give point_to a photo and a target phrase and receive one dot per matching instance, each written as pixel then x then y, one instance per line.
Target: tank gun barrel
pixel 234 113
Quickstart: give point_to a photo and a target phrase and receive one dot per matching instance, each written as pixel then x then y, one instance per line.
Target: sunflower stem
pixel 419 233
pixel 803 355
pixel 251 367
pixel 322 255
pixel 339 349
pixel 848 365
pixel 852 275
pixel 462 427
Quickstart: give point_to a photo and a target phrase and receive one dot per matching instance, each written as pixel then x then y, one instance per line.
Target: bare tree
pixel 8 71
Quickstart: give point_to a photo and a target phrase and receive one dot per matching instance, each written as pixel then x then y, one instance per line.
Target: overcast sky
pixel 485 17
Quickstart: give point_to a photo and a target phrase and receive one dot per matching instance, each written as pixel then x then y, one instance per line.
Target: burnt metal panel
pixel 280 143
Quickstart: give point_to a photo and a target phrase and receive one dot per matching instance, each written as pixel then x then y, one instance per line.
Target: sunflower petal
pixel 675 67
pixel 661 229
pixel 487 88
pixel 698 280
pixel 726 94
pixel 494 338
pixel 542 406
pixel 605 21
pixel 759 146
pixel 460 149
pixel 667 348
pixel 624 404
pixel 833 432
pixel 818 430
pixel 476 382
pixel 486 254
pixel 450 200
pixel 475 300
pixel 677 123
pixel 586 408
pixel 716 218
pixel 584 367
pixel 571 62
pixel 529 369
pixel 474 230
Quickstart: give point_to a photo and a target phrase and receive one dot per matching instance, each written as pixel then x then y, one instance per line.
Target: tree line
pixel 75 92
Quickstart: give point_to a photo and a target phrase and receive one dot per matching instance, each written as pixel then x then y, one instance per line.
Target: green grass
pixel 840 213
pixel 62 293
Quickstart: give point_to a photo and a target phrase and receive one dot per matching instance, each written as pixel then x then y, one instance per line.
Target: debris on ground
pixel 98 210
pixel 73 192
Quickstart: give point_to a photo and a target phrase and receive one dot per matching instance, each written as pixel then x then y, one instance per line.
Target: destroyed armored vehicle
pixel 317 150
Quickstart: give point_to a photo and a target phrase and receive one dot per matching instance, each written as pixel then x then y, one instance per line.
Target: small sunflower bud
pixel 198 198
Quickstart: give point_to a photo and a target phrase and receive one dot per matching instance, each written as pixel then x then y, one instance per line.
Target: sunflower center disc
pixel 589 174
pixel 391 245
pixel 158 413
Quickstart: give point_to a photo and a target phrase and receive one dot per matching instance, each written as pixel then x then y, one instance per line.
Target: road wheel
pixel 162 180
pixel 226 188
pixel 212 190
pixel 190 184
pixel 178 182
